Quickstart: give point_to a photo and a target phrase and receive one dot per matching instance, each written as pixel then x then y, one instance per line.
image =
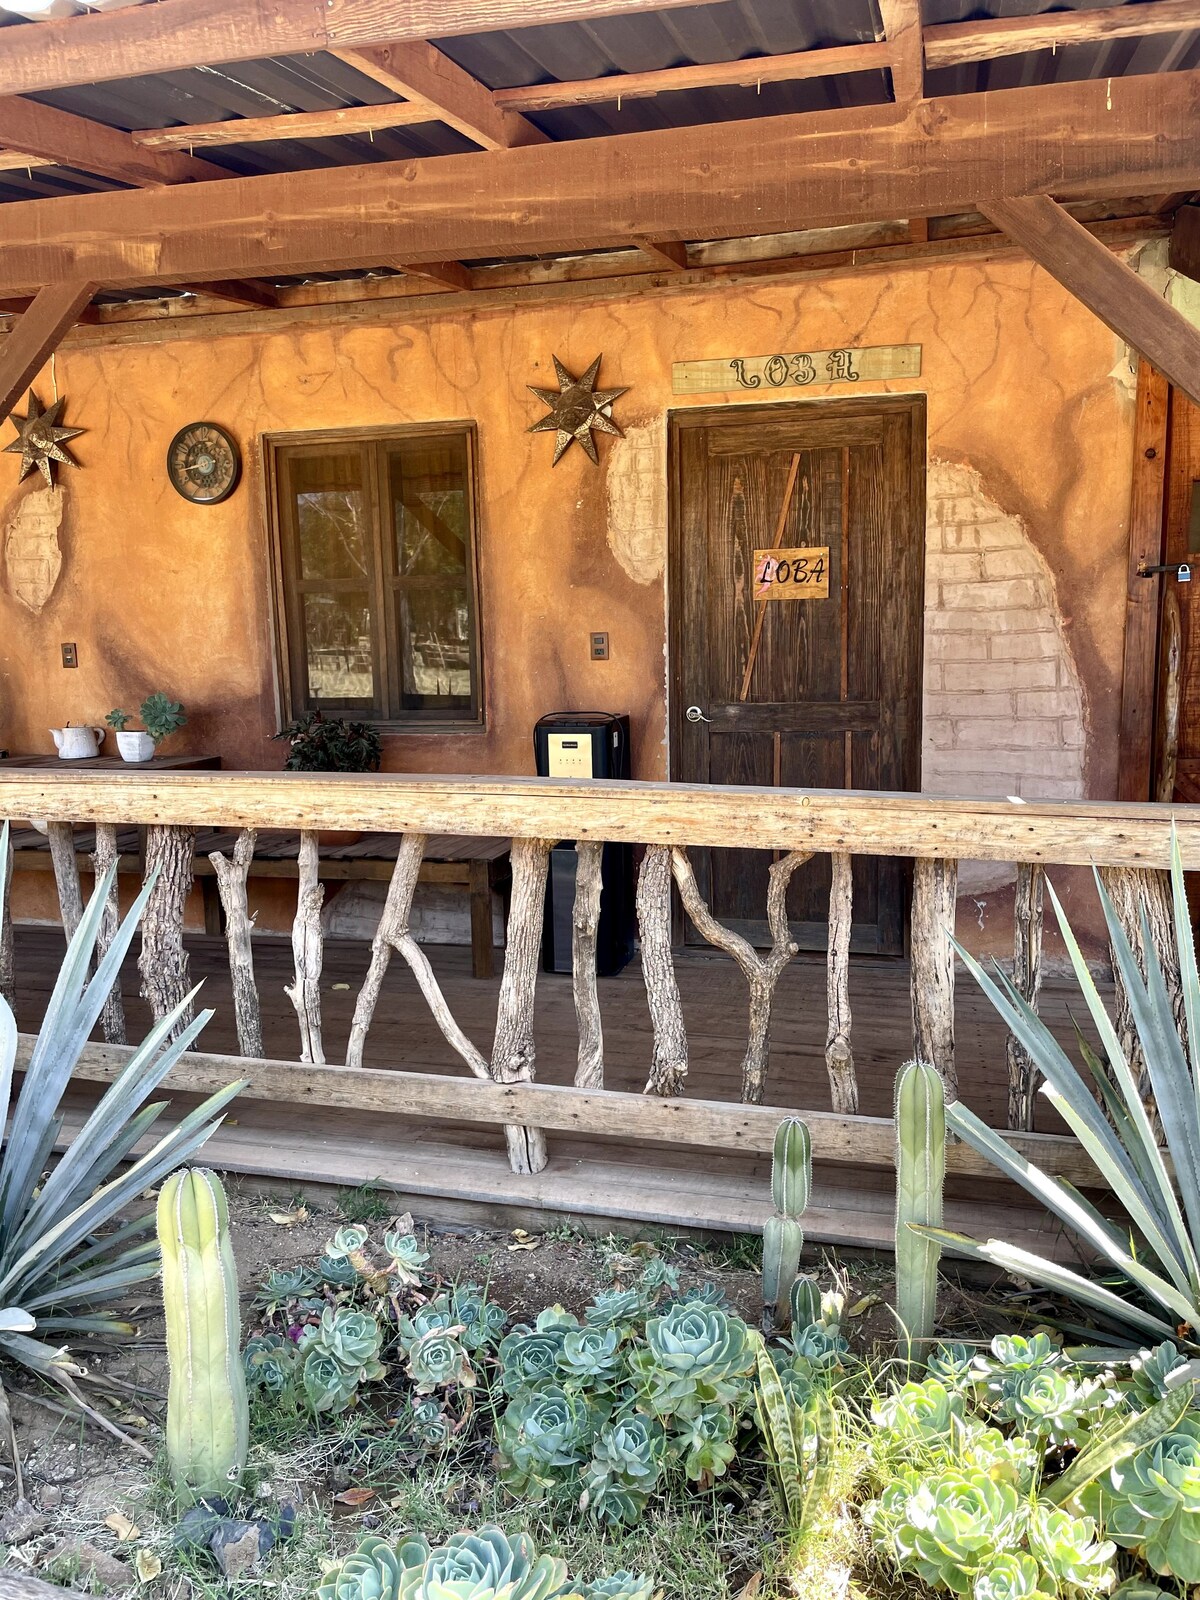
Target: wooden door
pixel 832 699
pixel 1177 725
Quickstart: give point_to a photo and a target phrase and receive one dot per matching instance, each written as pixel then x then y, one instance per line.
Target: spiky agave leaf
pixel 64 1258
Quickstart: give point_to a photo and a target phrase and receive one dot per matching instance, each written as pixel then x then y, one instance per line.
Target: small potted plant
pixel 317 743
pixel 160 717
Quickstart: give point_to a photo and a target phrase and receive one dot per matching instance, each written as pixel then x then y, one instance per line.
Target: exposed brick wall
pixel 1003 702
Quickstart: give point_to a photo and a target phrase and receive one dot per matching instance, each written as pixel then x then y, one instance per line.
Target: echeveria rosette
pixel 621 1586
pixel 352 1337
pixel 1049 1403
pixel 590 1355
pixel 437 1360
pixel 707 1294
pixel 542 1434
pixel 270 1361
pixel 948 1528
pixel 1015 1459
pixel 337 1272
pixel 817 1348
pixel 374 1571
pixel 1148 1372
pixel 328 1385
pixel 487 1565
pixel 707 1442
pixel 282 1285
pixel 529 1358
pixel 1151 1502
pixel 347 1241
pixel 433 1317
pixel 693 1356
pixel 622 1308
pixel 1012 1576
pixel 427 1424
pixel 1012 1353
pixel 1069 1551
pixel 953 1365
pixel 405 1258
pixel 482 1320
pixel 924 1412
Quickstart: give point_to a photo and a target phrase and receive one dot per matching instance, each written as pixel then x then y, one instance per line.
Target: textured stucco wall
pixel 1030 434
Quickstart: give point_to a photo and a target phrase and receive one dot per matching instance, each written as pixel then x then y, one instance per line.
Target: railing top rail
pixel 1072 833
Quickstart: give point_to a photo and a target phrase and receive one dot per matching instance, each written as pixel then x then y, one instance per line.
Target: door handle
pixel 694 714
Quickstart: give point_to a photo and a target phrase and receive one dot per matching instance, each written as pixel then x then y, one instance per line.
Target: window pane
pixel 332 516
pixel 428 481
pixel 337 645
pixel 435 648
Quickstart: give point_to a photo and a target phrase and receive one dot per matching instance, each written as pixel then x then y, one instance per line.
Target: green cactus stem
pixel 783 1237
pixel 920 1113
pixel 208 1422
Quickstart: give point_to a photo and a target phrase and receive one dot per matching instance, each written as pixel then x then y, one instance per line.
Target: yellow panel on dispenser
pixel 570 755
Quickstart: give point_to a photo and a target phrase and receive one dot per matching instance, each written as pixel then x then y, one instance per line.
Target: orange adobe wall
pixel 1030 438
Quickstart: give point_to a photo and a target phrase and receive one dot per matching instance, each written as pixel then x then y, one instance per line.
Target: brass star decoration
pixel 576 408
pixel 40 440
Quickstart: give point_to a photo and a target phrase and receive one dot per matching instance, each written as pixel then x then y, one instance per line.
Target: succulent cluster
pixel 1151 1502
pixel 599 1409
pixel 485 1565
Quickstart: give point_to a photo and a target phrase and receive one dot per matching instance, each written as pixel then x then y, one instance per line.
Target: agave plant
pixel 64 1260
pixel 1159 1296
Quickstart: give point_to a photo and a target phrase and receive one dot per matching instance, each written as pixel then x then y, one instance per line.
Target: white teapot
pixel 77 744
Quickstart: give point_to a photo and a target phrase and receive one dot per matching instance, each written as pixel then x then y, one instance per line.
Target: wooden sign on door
pixel 800 573
pixel 796 369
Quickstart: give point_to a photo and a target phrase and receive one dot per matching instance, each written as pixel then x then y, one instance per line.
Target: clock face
pixel 203 463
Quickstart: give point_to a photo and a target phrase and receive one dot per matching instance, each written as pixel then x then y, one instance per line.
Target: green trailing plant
pixel 66 1257
pixel 783 1237
pixel 208 1417
pixel 483 1565
pixel 920 1118
pixel 317 743
pixel 1154 1257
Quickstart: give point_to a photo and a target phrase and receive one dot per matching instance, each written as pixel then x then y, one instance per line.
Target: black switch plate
pixel 70 656
pixel 599 647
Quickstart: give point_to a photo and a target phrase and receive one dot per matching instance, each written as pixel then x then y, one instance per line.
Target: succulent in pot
pixel 160 718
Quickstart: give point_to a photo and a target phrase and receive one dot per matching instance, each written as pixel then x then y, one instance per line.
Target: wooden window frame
pixel 288 662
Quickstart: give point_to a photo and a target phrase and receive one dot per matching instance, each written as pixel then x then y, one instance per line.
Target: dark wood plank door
pixel 833 699
pixel 1177 745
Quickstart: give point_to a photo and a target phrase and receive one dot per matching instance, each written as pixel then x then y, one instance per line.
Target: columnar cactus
pixel 783 1237
pixel 920 1171
pixel 207 1415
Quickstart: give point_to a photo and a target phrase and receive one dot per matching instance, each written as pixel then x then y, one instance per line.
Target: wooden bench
pixel 452 861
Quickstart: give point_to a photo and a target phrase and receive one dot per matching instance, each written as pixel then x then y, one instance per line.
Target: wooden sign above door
pixel 796 369
pixel 801 573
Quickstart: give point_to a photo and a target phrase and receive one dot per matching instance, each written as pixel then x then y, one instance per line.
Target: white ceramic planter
pixel 135 745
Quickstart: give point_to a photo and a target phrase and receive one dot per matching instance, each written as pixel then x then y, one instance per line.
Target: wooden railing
pixel 1130 843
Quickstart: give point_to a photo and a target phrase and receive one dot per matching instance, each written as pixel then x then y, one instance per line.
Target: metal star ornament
pixel 40 440
pixel 577 408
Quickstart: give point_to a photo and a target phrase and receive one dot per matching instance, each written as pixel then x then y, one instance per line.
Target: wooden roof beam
pixel 346 122
pixel 256 296
pixel 17 161
pixel 33 340
pixel 956 44
pixel 60 139
pixel 426 77
pixel 449 274
pixel 902 31
pixel 1121 299
pixel 1105 138
pixel 791 68
pixel 665 253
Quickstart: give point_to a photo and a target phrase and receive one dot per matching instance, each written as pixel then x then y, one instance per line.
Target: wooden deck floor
pixel 458 1171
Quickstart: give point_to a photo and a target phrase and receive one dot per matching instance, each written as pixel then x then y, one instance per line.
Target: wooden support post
pixel 839 1055
pixel 1134 892
pixel 231 876
pixel 27 348
pixel 1121 299
pixel 513 1053
pixel 589 858
pixel 66 875
pixel 762 973
pixel 8 966
pixel 308 949
pixel 669 1066
pixel 1139 687
pixel 1027 979
pixel 104 857
pixel 935 884
pixel 163 961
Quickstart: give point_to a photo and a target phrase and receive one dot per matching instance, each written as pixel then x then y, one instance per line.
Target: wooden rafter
pixel 424 76
pixel 954 44
pixel 35 336
pixel 58 138
pixel 1127 136
pixel 902 31
pixel 665 253
pixel 176 34
pixel 17 161
pixel 244 293
pixel 338 124
pixel 1119 297
pixel 790 68
pixel 449 274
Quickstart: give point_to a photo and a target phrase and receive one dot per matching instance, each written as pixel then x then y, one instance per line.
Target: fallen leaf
pixel 865 1304
pixel 339 985
pixel 752 1588
pixel 148 1566
pixel 354 1497
pixel 529 1244
pixel 288 1219
pixel 121 1526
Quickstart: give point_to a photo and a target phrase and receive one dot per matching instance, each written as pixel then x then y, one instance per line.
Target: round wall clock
pixel 203 463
